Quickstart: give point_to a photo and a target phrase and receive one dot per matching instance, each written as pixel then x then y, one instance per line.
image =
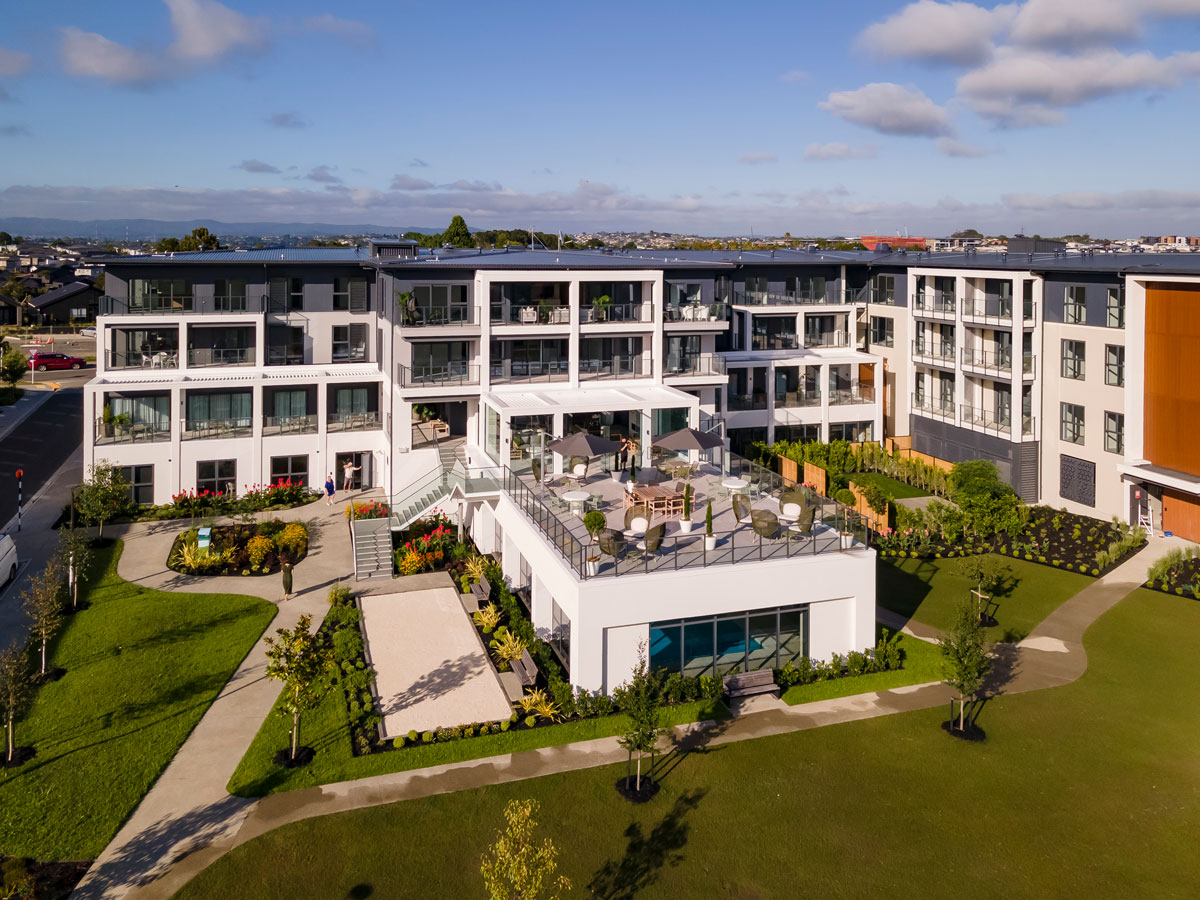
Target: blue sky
pixel 1047 115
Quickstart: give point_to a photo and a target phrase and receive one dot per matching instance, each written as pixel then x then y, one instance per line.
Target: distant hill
pixel 153 229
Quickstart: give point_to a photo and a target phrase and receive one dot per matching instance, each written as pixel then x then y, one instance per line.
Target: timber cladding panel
pixel 1172 394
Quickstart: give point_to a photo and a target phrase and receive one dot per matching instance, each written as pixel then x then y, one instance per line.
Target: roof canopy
pixel 565 398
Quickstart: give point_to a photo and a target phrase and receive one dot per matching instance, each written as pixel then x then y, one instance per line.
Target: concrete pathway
pixel 188 821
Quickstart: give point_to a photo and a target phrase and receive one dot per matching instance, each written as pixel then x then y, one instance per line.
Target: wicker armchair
pixel 637 519
pixel 765 523
pixel 649 545
pixel 741 510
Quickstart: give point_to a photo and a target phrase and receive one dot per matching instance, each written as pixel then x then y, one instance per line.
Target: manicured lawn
pixel 897 489
pixel 1083 791
pixel 327 730
pixel 142 666
pixel 928 590
pixel 922 663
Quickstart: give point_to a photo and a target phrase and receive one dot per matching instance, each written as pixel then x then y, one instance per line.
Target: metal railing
pixel 284 356
pixel 306 424
pixel 988 311
pixel 517 372
pixel 613 367
pixel 985 419
pixel 988 361
pixel 438 376
pixel 354 421
pixel 697 364
pixel 742 402
pixel 933 407
pixel 159 306
pixel 1028 425
pixel 697 312
pixel 941 352
pixel 937 305
pixel 1028 364
pixel 220 356
pixel 861 393
pixel 827 339
pixel 617 312
pixel 424 315
pixel 158 359
pixel 202 429
pixel 883 297
pixel 530 314
pixel 790 298
pixel 129 433
pixel 789 399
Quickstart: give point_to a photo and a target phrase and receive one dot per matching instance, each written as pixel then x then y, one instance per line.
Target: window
pixel 1114 365
pixel 1072 422
pixel 141 484
pixel 160 293
pixel 217 476
pixel 285 345
pixel 289 404
pixel 295 294
pixel 1075 305
pixel 855 432
pixel 1115 306
pixel 289 468
pixel 232 409
pixel 883 331
pixel 79 312
pixel 883 289
pixel 350 294
pixel 760 639
pixel 229 294
pixel 151 412
pixel 349 343
pixel 1073 359
pixel 560 632
pixel 348 401
pixel 1114 432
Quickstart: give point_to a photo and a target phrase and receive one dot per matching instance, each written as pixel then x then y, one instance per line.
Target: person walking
pixel 286 568
pixel 330 487
pixel 348 471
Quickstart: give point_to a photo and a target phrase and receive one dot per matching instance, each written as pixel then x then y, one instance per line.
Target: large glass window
pixel 1114 432
pixel 883 289
pixel 289 468
pixel 350 400
pixel 438 304
pixel 152 294
pixel 715 645
pixel 289 404
pixel 855 432
pixel 349 343
pixel 1075 305
pixel 150 412
pixel 1074 355
pixel 232 408
pixel 774 333
pixel 1115 307
pixel 1072 422
pixel 492 436
pixel 229 294
pixel 296 294
pixel 560 632
pixel 217 476
pixel 1114 365
pixel 883 331
pixel 141 484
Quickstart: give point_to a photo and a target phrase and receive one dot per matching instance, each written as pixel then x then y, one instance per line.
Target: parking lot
pixel 71 344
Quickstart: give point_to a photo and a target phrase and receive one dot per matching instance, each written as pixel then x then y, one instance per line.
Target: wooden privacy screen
pixel 1172 395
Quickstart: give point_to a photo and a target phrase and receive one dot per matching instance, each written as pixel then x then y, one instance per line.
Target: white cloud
pixel 285 120
pixel 358 35
pixel 257 167
pixel 837 150
pixel 408 183
pixel 91 55
pixel 795 76
pixel 323 175
pixel 205 29
pixel 473 186
pixel 954 147
pixel 1067 24
pixel 890 109
pixel 927 31
pixel 14 62
pixel 757 159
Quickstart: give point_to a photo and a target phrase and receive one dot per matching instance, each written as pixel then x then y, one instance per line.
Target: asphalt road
pixel 39 445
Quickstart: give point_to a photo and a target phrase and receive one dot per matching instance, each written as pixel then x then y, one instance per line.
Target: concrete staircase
pixel 372 548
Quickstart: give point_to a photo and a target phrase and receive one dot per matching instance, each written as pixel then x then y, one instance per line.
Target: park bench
pixel 747 684
pixel 482 592
pixel 525 669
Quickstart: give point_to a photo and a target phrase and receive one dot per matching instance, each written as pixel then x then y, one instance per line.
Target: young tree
pixel 43 605
pixel 457 234
pixel 15 688
pixel 515 868
pixel 75 550
pixel 103 495
pixel 301 661
pixel 639 699
pixel 13 366
pixel 965 663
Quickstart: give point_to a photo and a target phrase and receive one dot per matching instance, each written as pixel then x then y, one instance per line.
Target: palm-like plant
pixel 488 618
pixel 506 646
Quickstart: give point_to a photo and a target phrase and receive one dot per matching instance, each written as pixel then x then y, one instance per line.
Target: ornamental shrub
pixel 257 548
pixel 505 725
pixel 530 721
pixel 340 595
pixel 347 644
pixel 293 538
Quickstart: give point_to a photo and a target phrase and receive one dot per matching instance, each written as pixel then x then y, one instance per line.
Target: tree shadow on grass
pixel 697 740
pixel 646 855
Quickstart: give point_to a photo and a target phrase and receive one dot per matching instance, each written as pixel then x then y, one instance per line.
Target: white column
pixel 573 339
pixel 824 385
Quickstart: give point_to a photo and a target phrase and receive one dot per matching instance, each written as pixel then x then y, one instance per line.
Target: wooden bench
pixel 747 684
pixel 525 669
pixel 482 592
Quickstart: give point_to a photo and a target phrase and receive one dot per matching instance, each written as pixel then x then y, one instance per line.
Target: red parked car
pixel 44 361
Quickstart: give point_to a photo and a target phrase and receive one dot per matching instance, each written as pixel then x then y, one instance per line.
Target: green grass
pixel 929 590
pixel 897 489
pixel 922 663
pixel 327 730
pixel 142 667
pixel 1084 791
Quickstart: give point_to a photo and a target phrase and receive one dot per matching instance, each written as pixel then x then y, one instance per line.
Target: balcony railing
pixel 530 314
pixel 421 315
pixel 158 359
pixel 448 375
pixel 289 424
pixel 826 339
pixel 939 352
pixel 860 393
pixel 510 371
pixel 352 421
pixel 999 363
pixel 937 305
pixel 127 433
pixel 697 312
pixel 789 298
pixel 883 297
pixel 285 356
pixel 202 429
pixel 1029 364
pixel 931 406
pixel 986 420
pixel 218 356
pixel 742 402
pixel 792 399
pixel 614 367
pixel 698 364
pixel 988 311
pixel 617 312
pixel 159 306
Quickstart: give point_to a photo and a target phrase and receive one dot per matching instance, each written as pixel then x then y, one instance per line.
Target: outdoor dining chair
pixel 650 544
pixel 741 510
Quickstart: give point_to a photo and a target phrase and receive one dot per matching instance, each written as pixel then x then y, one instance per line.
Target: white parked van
pixel 8 560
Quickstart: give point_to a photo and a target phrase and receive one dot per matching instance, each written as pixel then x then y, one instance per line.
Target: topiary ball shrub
pixel 412 736
pixel 530 721
pixel 397 742
pixel 1029 556
pixel 1095 571
pixel 427 737
pixel 504 726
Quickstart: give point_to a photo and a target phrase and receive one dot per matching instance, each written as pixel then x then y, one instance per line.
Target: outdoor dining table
pixel 659 497
pixel 735 484
pixel 576 499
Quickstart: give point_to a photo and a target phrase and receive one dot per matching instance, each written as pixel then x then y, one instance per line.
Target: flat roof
pixel 520 400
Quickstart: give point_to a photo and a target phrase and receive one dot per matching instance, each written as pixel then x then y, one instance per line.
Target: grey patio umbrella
pixel 584 444
pixel 689 439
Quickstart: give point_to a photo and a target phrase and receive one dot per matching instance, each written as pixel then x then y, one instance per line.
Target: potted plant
pixel 600 307
pixel 594 522
pixel 685 524
pixel 615 471
pixel 107 420
pixel 710 540
pixel 846 534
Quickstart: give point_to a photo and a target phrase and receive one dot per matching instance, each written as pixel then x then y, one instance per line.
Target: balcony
pixel 795 399
pixel 789 298
pixel 204 429
pixel 989 362
pixel 929 406
pixel 511 371
pixel 986 420
pixel 936 353
pixel 289 425
pixel 697 312
pixel 936 305
pixel 221 356
pixel 860 393
pixel 1029 365
pixel 352 421
pixel 882 296
pixel 988 312
pixel 743 402
pixel 285 356
pixel 166 306
pixel 158 359
pixel 827 339
pixel 700 364
pixel 430 315
pixel 449 375
pixel 530 314
pixel 614 367
pixel 628 313
pixel 113 432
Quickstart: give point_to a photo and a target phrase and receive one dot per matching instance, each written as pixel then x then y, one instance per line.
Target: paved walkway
pixel 188 821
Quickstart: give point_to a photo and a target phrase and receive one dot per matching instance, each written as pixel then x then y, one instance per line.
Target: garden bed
pixel 258 548
pixel 209 504
pixel 1178 573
